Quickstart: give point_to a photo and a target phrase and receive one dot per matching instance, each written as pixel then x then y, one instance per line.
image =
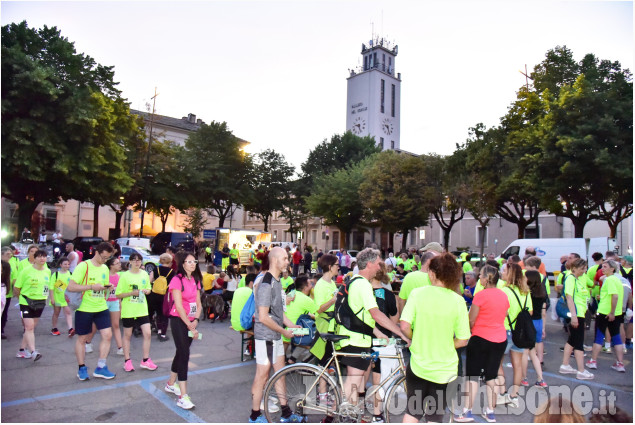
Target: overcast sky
pixel 276 71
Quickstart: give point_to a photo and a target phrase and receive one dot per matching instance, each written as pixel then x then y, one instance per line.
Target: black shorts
pixel 602 323
pixel 576 335
pixel 355 362
pixel 130 322
pixel 377 366
pixel 30 313
pixel 483 358
pixel 84 321
pixel 233 260
pixel 425 397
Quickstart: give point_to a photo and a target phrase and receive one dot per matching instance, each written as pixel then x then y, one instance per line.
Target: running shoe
pixel 23 354
pixel 259 420
pixel 89 347
pixel 541 384
pixel 36 355
pixel 501 399
pixel 273 406
pixel 587 347
pixel 584 375
pixel 55 332
pixel 296 419
pixel 606 349
pixel 163 338
pixel 184 402
pixel 591 364
pixel 379 419
pixel 127 366
pixel 512 400
pixel 466 416
pixel 629 346
pixel 619 366
pixel 174 388
pixel 71 332
pixel 82 374
pixel 148 364
pixel 120 351
pixel 524 382
pixel 488 416
pixel 564 369
pixel 103 372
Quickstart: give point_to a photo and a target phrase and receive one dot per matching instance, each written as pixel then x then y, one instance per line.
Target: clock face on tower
pixel 359 125
pixel 386 126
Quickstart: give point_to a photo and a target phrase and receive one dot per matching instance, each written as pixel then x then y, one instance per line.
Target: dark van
pixel 178 240
pixel 87 245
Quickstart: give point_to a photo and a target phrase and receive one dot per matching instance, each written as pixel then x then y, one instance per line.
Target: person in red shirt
pixel 297 258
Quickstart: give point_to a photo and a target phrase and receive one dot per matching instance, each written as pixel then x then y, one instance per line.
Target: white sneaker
pixel 174 388
pixel 184 402
pixel 584 375
pixel 501 399
pixel 616 366
pixel 567 369
pixel 511 400
pixel 273 406
pixel 591 364
pixel 120 351
pixel 89 347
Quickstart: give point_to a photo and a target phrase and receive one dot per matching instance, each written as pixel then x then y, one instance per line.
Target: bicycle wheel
pixel 396 402
pixel 298 385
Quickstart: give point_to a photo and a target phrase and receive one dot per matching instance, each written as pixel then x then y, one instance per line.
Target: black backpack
pixel 344 314
pixel 524 334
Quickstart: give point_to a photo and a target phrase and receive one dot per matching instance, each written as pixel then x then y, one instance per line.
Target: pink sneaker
pixel 127 366
pixel 148 364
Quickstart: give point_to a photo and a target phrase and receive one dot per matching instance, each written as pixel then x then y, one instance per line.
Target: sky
pixel 276 71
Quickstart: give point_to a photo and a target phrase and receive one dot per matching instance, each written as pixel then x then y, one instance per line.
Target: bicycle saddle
pixel 333 338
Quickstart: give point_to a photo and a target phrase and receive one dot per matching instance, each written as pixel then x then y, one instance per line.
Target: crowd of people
pixel 447 312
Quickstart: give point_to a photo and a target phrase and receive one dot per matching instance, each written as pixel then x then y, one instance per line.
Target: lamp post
pixel 144 203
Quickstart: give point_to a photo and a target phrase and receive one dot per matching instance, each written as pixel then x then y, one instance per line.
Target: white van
pixel 551 249
pixel 140 242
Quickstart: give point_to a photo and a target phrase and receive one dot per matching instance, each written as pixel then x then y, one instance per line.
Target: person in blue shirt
pixel 470 285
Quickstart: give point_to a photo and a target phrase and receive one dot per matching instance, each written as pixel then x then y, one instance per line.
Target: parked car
pixel 142 242
pixel 178 240
pixel 150 262
pixel 352 252
pixel 86 245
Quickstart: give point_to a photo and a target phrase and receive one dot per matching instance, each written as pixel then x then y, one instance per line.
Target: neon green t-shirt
pixel 479 286
pixel 437 315
pixel 23 264
pixel 241 295
pixel 133 306
pixel 591 282
pixel 581 293
pixel 300 305
pixel 59 282
pixel 514 306
pixel 408 264
pixel 33 283
pixel 234 253
pixel 612 286
pixel 286 281
pixel 361 296
pixel 322 293
pixel 467 267
pixel 92 301
pixel 14 263
pixel 412 281
pixel 241 284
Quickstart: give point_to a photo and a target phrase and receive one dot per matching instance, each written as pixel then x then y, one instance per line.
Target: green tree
pixel 294 209
pixel 390 193
pixel 335 197
pixel 195 221
pixel 219 173
pixel 59 116
pixel 271 176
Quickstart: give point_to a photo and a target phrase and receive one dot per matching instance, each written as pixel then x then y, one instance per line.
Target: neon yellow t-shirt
pixel 33 283
pixel 14 263
pixel 300 305
pixel 133 306
pixel 581 293
pixel 92 301
pixel 479 286
pixel 361 296
pixel 408 264
pixel 322 293
pixel 514 306
pixel 590 280
pixel 241 295
pixel 241 284
pixel 412 281
pixel 437 315
pixel 59 282
pixel 286 281
pixel 234 253
pixel 467 267
pixel 612 286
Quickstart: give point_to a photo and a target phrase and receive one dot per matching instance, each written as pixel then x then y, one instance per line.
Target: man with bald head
pixel 268 331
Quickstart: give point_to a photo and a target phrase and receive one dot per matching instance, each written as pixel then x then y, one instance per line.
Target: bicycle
pixel 310 390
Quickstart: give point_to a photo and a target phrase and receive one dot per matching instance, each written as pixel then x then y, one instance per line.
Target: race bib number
pixel 112 292
pixel 192 309
pixel 61 285
pixel 284 301
pixel 45 293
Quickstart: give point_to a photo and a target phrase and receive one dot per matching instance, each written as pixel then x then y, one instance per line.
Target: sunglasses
pixel 191 261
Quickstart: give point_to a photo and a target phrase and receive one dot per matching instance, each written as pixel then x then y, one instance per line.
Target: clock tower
pixel 374 95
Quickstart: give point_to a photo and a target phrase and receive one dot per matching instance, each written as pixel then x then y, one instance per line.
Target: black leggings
pixel 182 343
pixel 155 305
pixel 5 313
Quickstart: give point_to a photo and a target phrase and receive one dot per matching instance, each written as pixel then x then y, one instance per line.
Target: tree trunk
pixel 164 221
pixel 522 225
pixel 25 214
pixel 118 215
pixel 446 239
pixel 266 221
pixel 221 220
pixel 95 219
pixel 404 240
pixel 343 239
pixel 578 225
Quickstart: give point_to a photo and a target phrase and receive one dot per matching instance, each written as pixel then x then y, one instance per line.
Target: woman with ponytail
pixel 487 344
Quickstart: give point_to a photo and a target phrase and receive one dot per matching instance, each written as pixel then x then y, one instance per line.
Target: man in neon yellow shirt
pixel 234 255
pixel 415 279
pixel 361 299
pixel 91 278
